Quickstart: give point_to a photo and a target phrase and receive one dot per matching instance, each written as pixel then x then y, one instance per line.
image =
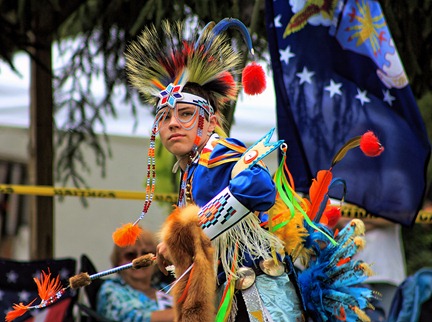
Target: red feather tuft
pixel 370 145
pixel 333 215
pixel 253 79
pixel 228 78
pixel 126 235
pixel 18 310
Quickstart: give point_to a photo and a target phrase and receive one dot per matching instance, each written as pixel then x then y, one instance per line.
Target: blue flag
pixel 337 74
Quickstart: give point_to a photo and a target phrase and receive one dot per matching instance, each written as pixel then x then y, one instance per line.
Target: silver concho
pixel 246 278
pixel 272 268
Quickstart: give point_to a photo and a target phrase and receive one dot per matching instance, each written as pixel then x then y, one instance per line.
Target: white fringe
pixel 250 237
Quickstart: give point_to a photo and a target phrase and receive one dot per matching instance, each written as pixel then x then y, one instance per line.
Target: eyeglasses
pixel 186 116
pixel 130 256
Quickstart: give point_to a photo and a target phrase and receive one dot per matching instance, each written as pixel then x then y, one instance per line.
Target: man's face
pixel 178 128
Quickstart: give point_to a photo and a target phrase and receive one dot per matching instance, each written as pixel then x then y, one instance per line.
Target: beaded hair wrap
pixel 159 67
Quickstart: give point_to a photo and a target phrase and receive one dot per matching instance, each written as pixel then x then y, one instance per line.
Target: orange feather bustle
pixel 126 235
pixel 318 190
pixel 370 145
pixel 253 79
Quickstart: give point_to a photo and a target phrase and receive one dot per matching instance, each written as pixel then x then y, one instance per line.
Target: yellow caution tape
pixel 87 193
pixel 350 211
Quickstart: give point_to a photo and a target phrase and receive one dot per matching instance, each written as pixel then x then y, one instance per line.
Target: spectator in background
pixel 131 296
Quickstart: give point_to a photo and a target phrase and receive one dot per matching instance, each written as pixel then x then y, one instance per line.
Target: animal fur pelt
pixel 187 244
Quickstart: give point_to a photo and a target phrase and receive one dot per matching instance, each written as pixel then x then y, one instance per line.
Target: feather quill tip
pixel 126 235
pixel 359 227
pixel 370 145
pixel 367 270
pixel 253 79
pixel 362 316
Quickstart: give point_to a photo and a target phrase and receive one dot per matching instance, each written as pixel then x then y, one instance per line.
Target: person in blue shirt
pixel 131 295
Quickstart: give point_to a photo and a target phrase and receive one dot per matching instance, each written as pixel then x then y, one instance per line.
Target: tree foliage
pixel 411 26
pixel 105 27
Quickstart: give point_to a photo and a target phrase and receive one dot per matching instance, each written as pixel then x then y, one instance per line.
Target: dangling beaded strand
pixel 151 176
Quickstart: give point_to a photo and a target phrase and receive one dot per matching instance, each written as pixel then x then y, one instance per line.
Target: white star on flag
pixel 305 76
pixel 12 277
pixel 277 22
pixel 388 98
pixel 334 88
pixel 361 96
pixel 64 273
pixel 286 54
pixel 24 296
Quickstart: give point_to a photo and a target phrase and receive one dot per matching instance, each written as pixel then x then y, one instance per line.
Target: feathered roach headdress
pixel 154 63
pixel 160 67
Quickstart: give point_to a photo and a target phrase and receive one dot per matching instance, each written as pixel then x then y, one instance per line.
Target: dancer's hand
pixel 162 257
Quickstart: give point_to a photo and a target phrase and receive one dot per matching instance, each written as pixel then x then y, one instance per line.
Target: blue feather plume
pixel 330 285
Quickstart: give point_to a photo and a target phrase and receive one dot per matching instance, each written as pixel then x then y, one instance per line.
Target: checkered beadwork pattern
pixel 220 213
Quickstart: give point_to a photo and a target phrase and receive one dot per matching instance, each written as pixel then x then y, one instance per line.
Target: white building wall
pixel 88 230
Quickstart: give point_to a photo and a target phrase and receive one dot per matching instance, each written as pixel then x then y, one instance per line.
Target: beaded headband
pixel 171 95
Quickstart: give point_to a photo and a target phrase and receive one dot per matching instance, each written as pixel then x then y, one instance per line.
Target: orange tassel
pixel 47 287
pixel 126 235
pixel 18 310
